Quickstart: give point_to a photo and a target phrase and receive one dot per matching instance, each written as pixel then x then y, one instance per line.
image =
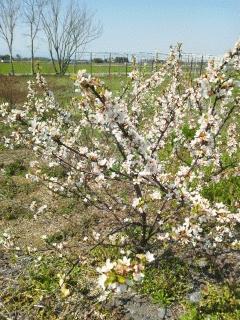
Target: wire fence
pixel 115 63
pixel 112 63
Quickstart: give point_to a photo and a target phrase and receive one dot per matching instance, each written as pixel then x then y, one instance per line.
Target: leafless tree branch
pixel 9 13
pixel 32 12
pixel 67 29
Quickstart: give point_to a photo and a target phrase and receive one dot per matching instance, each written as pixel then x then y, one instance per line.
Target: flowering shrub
pixel 144 159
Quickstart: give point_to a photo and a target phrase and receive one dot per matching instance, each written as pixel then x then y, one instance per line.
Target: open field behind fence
pixel 14 89
pixel 100 63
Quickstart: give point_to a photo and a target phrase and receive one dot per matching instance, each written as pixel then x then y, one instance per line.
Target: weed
pixel 15 168
pixel 166 283
pixel 218 302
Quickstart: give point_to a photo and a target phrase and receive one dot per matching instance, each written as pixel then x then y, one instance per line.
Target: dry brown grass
pixel 12 90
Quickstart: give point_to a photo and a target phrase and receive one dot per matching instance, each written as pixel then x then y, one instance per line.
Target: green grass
pixel 15 168
pixel 15 193
pixel 24 67
pixel 14 89
pixel 166 283
pixel 46 67
pixel 218 302
pixel 225 191
pixel 38 294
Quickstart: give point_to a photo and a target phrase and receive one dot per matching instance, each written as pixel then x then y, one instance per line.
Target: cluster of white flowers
pixel 233 139
pixel 6 240
pixel 119 275
pixel 36 210
pixel 143 158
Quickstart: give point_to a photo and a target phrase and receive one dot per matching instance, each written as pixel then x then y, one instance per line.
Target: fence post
pixel 187 64
pixel 201 66
pixel 91 64
pixel 127 65
pixel 110 64
pixel 152 65
pixel 156 63
pixel 140 62
pixel 196 67
pixel 75 60
pixel 191 68
pixel 133 62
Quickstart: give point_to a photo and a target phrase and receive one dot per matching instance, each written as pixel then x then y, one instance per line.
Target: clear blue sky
pixel 204 26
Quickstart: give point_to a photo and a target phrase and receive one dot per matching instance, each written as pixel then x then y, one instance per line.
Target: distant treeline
pixel 6 58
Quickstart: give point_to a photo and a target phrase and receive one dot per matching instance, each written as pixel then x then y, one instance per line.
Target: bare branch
pixel 9 12
pixel 67 32
pixel 32 12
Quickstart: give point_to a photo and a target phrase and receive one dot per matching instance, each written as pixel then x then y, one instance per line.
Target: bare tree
pixel 9 12
pixel 32 11
pixel 68 31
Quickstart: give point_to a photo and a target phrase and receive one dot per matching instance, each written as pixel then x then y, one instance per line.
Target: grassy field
pixel 14 89
pixel 24 67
